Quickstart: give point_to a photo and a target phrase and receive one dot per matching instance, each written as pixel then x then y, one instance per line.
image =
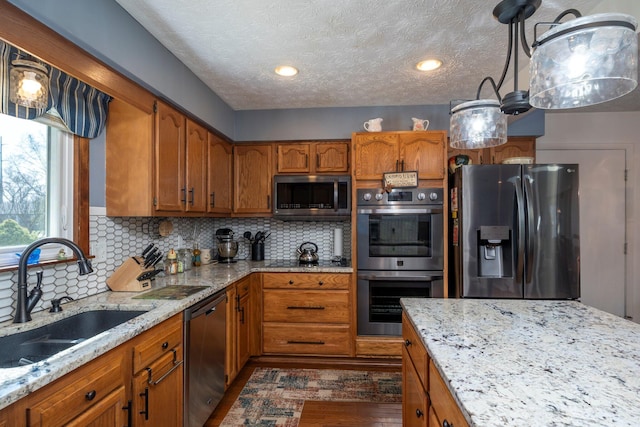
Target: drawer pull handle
pixel 165 345
pixel 306 342
pixel 145 394
pixel 309 307
pixel 176 365
pixel 90 395
pixel 407 342
pixel 419 413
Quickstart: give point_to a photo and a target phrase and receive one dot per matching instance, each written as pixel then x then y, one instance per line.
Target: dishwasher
pixel 204 338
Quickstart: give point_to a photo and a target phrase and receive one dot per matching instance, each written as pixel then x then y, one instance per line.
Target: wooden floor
pixel 318 413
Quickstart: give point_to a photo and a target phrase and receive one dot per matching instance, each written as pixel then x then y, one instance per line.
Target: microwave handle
pixel 335 195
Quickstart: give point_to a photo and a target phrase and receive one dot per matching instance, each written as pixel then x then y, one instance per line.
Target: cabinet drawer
pixel 444 405
pixel 415 349
pixel 305 281
pixel 306 306
pixel 156 342
pixel 415 403
pixel 306 339
pixel 70 398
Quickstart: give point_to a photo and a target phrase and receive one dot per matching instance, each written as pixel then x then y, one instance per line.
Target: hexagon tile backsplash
pixel 128 236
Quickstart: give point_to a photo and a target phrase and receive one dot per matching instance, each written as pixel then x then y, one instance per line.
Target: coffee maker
pixel 227 247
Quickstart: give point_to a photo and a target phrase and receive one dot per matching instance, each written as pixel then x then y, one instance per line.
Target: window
pixel 36 186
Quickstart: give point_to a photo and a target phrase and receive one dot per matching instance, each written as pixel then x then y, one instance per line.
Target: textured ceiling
pixel 349 52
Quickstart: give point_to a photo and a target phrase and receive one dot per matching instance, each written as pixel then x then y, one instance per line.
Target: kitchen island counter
pixel 532 363
pixel 17 382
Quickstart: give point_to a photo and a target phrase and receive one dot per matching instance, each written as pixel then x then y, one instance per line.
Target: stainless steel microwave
pixel 312 197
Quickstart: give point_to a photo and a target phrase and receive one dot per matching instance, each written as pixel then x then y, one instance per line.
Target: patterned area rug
pixel 275 397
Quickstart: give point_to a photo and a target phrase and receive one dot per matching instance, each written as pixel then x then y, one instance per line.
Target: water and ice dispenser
pixel 494 251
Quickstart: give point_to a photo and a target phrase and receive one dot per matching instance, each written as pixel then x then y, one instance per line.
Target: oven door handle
pixel 367 211
pixel 425 277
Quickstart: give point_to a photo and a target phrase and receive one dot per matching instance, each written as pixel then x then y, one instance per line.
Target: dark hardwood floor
pixel 318 413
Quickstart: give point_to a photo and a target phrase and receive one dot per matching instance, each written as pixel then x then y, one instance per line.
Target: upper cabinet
pixel 220 167
pixel 312 157
pixel 378 152
pixel 516 146
pixel 253 173
pixel 181 162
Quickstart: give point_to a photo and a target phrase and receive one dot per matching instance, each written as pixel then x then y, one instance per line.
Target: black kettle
pixel 308 255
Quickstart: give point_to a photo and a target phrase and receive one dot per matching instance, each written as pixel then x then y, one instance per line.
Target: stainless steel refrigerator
pixel 515 231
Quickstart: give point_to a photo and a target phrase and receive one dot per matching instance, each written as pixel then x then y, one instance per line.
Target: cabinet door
pixel 515 147
pixel 414 400
pixel 375 154
pixel 332 157
pixel 231 353
pixel 157 392
pixel 253 166
pixel 220 166
pixel 170 159
pixel 196 167
pixel 293 158
pixel 423 152
pixel 106 413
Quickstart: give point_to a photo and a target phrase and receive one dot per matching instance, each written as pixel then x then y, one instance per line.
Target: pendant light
pixel 29 83
pixel 582 62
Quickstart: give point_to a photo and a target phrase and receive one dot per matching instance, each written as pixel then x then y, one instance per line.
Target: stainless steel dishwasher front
pixel 204 337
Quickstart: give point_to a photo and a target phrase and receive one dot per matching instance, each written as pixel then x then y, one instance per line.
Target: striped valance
pixel 83 109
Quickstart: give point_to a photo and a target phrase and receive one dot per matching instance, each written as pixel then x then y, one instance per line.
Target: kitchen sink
pixel 38 344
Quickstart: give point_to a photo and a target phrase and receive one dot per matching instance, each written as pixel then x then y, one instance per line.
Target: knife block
pixel 125 278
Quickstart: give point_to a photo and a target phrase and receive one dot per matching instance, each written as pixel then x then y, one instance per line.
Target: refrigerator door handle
pixel 530 241
pixel 520 201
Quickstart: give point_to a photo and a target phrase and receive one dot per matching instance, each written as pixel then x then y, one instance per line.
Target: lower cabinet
pixel 426 400
pixel 239 328
pixel 158 375
pixel 306 314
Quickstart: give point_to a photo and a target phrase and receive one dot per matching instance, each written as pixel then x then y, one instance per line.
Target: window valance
pixel 83 108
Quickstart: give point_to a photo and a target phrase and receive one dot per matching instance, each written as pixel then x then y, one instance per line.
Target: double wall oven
pixel 400 253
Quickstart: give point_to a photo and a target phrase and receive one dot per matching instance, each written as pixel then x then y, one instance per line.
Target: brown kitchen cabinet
pixel 312 157
pixel 158 375
pixel 239 329
pixel 306 314
pixel 378 152
pixel 181 162
pixel 516 146
pixel 426 400
pixel 94 394
pixel 253 172
pixel 220 167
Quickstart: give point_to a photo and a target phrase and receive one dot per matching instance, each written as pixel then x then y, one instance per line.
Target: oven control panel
pixel 399 196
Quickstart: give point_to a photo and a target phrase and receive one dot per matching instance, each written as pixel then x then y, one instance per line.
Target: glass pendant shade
pixel 584 61
pixel 28 84
pixel 477 124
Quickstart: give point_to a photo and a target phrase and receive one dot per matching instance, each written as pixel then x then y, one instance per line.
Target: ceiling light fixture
pixel 29 83
pixel 582 62
pixel 286 71
pixel 429 65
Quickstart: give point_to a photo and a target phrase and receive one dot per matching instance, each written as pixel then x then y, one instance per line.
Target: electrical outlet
pixel 99 251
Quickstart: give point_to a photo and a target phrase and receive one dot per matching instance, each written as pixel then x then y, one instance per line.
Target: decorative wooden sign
pixel 401 179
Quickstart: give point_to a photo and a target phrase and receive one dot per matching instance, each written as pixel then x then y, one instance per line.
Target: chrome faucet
pixel 26 303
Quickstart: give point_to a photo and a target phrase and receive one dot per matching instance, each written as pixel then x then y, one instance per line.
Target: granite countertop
pixel 16 383
pixel 533 363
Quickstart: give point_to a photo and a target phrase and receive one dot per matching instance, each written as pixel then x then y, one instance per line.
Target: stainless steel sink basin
pixel 38 344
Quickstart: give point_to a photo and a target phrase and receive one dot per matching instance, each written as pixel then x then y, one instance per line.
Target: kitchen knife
pixel 151 256
pixel 147 249
pixel 154 260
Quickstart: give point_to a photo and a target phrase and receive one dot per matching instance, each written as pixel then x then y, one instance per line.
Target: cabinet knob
pixel 407 343
pixel 291 282
pixel 446 423
pixel 320 283
pixel 90 395
pixel 165 345
pixel 419 413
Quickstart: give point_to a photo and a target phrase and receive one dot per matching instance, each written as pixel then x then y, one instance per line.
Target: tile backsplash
pixel 123 237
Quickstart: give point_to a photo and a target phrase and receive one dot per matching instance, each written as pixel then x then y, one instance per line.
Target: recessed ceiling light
pixel 429 64
pixel 286 70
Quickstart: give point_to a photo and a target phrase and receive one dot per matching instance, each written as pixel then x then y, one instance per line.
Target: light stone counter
pixel 16 383
pixel 533 363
